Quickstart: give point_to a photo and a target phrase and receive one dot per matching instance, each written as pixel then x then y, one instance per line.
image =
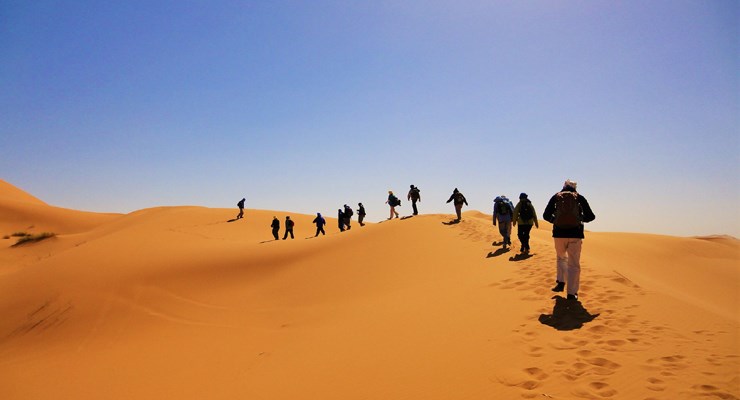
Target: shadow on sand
pixel 567 315
pixel 407 217
pixel 453 222
pixel 498 252
pixel 521 257
pixel 233 219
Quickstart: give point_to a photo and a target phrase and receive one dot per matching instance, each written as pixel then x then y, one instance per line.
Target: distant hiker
pixel 459 200
pixel 414 196
pixel 275 227
pixel 503 213
pixel 320 222
pixel 348 216
pixel 567 210
pixel 240 204
pixel 289 224
pixel 361 214
pixel 393 202
pixel 340 219
pixel 525 216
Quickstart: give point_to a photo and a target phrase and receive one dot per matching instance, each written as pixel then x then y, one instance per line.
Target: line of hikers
pixel 567 210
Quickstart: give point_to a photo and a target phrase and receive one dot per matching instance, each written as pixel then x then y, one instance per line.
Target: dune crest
pixel 178 302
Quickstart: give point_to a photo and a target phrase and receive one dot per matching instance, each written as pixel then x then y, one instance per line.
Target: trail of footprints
pixel 585 352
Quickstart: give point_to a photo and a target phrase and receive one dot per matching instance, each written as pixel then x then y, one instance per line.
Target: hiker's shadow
pixel 567 315
pixel 233 219
pixel 407 217
pixel 520 257
pixel 497 253
pixel 453 222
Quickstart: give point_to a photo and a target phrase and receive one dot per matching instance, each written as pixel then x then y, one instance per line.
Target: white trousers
pixel 568 252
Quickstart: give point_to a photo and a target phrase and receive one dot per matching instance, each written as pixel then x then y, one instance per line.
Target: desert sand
pixel 178 303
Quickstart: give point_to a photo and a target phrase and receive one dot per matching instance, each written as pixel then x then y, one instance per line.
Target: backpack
pixel 503 208
pixel 568 212
pixel 415 193
pixel 348 212
pixel 525 212
pixel 393 201
pixel 289 223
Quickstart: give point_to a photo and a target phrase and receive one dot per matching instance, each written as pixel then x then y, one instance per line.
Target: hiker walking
pixel 525 216
pixel 320 222
pixel 289 224
pixel 503 212
pixel 348 216
pixel 393 202
pixel 275 227
pixel 361 214
pixel 568 210
pixel 340 219
pixel 414 196
pixel 459 200
pixel 240 204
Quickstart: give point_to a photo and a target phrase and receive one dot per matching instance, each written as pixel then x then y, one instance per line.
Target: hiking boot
pixel 559 287
pixel 573 296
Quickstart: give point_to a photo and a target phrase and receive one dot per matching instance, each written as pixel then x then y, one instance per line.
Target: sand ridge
pixel 178 302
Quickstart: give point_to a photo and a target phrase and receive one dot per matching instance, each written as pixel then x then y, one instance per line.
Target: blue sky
pixel 305 106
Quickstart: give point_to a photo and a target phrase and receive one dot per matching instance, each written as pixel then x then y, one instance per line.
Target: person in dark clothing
pixel 275 227
pixel 568 210
pixel 524 217
pixel 240 204
pixel 459 200
pixel 361 214
pixel 340 219
pixel 288 228
pixel 503 212
pixel 348 216
pixel 414 196
pixel 320 222
pixel 393 202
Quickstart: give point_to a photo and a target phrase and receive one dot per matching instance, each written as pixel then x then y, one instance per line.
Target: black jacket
pixel 458 198
pixel 586 216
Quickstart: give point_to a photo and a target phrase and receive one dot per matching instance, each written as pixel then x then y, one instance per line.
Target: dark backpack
pixel 289 224
pixel 393 201
pixel 568 212
pixel 348 212
pixel 415 193
pixel 525 212
pixel 503 208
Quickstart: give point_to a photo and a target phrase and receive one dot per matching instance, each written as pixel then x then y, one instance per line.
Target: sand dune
pixel 176 302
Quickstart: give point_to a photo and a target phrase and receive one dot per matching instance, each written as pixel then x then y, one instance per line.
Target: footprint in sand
pixel 711 391
pixel 536 373
pixel 576 371
pixel 595 390
pixel 656 384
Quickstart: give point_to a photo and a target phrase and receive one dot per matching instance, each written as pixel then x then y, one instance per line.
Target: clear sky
pixel 308 105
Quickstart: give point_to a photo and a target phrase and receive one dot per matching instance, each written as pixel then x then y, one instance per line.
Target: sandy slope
pixel 175 302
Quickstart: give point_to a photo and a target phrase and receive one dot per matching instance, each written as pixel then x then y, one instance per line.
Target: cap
pixel 522 195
